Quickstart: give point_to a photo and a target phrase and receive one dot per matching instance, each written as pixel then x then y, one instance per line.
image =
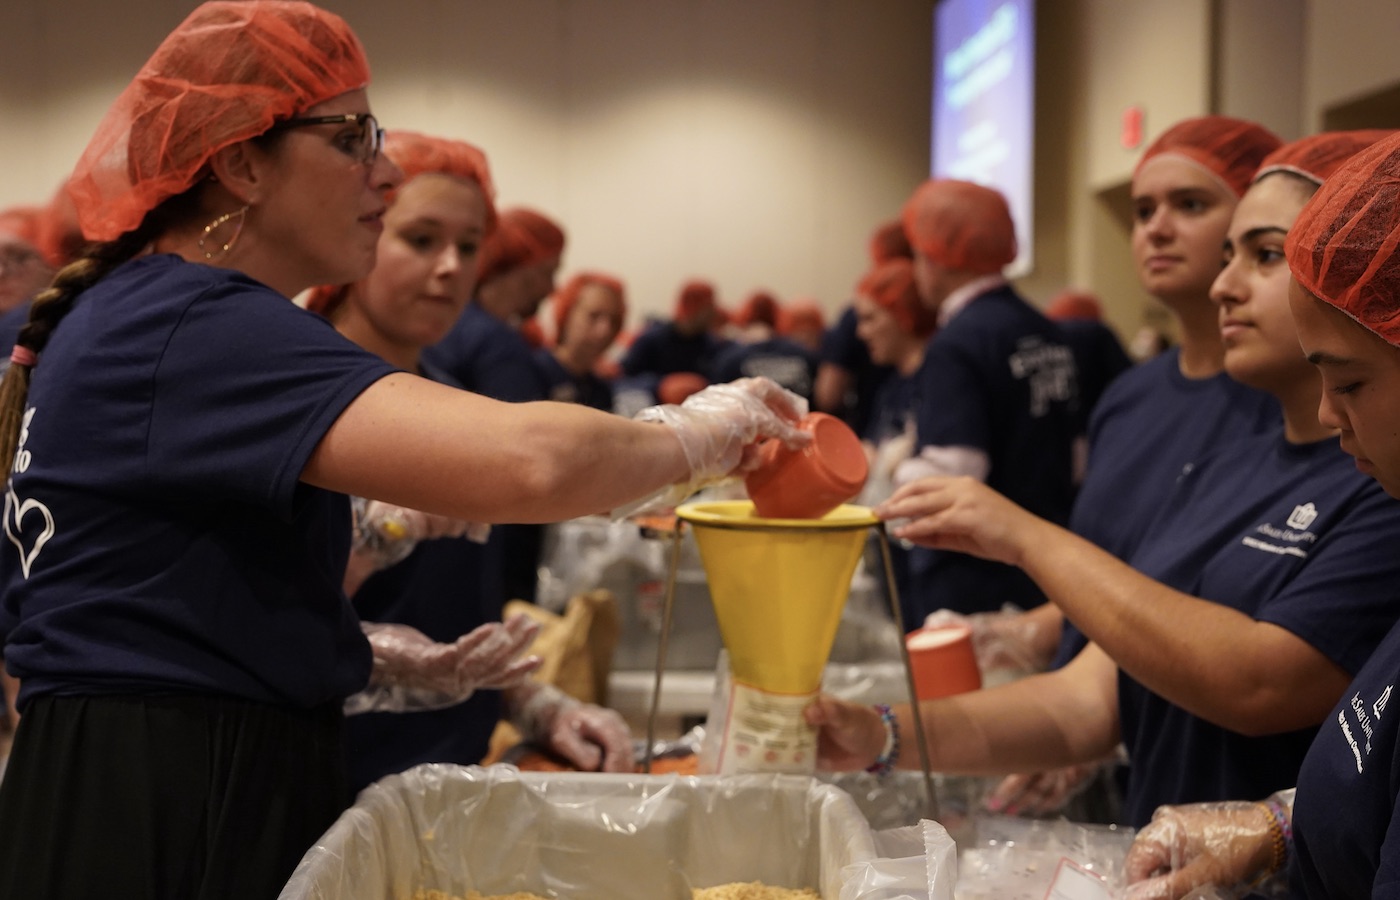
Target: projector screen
pixel 984 103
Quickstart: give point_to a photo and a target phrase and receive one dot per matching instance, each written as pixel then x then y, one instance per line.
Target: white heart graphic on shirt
pixel 15 512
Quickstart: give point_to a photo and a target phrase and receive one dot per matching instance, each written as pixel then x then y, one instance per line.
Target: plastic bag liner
pixel 595 837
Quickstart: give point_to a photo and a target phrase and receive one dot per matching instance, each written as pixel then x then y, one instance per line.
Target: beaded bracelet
pixel 885 762
pixel 1281 833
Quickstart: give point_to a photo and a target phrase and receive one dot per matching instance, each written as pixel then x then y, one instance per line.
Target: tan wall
pixel 757 143
pixel 1350 55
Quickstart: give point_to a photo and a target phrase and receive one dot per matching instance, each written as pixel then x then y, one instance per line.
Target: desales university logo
pixel 17 510
pixel 1290 540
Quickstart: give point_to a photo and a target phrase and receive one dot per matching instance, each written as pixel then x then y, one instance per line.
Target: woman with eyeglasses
pixel 183 439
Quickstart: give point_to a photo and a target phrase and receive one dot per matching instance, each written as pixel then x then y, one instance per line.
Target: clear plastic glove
pixel 413 672
pixel 720 429
pixel 1041 793
pixel 1228 846
pixel 1004 641
pixel 591 737
pixel 386 534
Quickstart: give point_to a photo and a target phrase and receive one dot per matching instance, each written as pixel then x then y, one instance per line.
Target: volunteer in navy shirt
pixel 1218 653
pixel 999 395
pixel 589 311
pixel 182 440
pixel 1179 405
pixel 683 344
pixel 761 351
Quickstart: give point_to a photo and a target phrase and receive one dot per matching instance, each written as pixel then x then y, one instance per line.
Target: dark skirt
pixel 165 797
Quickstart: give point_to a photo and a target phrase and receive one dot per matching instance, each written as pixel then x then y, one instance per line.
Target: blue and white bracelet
pixel 885 762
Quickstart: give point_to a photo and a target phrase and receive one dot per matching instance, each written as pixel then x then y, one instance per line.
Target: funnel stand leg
pixel 929 794
pixel 661 644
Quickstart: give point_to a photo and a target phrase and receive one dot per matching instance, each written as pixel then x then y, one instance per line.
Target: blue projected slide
pixel 984 102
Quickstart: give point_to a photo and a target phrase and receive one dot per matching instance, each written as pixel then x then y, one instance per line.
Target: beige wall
pixel 756 142
pixel 1351 54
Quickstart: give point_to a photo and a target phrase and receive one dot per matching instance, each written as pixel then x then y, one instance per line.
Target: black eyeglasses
pixel 369 142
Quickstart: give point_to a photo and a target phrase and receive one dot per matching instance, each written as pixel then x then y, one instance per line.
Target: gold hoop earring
pixel 238 215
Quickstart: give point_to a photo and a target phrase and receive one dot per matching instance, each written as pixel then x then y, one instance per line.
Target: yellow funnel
pixel 778 586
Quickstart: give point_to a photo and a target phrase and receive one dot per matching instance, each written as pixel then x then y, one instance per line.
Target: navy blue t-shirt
pixel 1099 358
pixel 1345 829
pixel 566 387
pixel 1150 423
pixel 1288 534
pixel 997 377
pixel 662 350
pixel 488 357
pixel 896 404
pixel 842 347
pixel 785 361
pixel 159 537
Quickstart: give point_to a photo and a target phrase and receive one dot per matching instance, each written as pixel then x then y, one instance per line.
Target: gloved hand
pixel 720 429
pixel 1041 793
pixel 591 737
pixel 1234 846
pixel 1005 641
pixel 413 672
pixel 386 534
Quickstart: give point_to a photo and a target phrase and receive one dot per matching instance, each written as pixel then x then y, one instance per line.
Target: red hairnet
pixel 567 296
pixel 696 297
pixel 227 73
pixel 523 237
pixel 22 222
pixel 891 286
pixel 961 225
pixel 1072 304
pixel 801 315
pixel 674 388
pixel 760 308
pixel 1343 246
pixel 1318 156
pixel 890 241
pixel 421 154
pixel 1230 149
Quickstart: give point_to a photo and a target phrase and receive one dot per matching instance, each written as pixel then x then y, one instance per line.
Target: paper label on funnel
pixel 765 732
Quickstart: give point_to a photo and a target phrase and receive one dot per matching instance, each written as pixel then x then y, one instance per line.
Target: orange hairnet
pixel 961 225
pixel 227 73
pixel 674 388
pixel 760 308
pixel 1343 246
pixel 420 154
pixel 568 295
pixel 523 237
pixel 1072 304
pixel 696 297
pixel 891 286
pixel 801 315
pixel 1318 156
pixel 1230 149
pixel 890 241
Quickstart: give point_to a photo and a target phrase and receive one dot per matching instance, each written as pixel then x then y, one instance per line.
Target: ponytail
pixel 48 309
